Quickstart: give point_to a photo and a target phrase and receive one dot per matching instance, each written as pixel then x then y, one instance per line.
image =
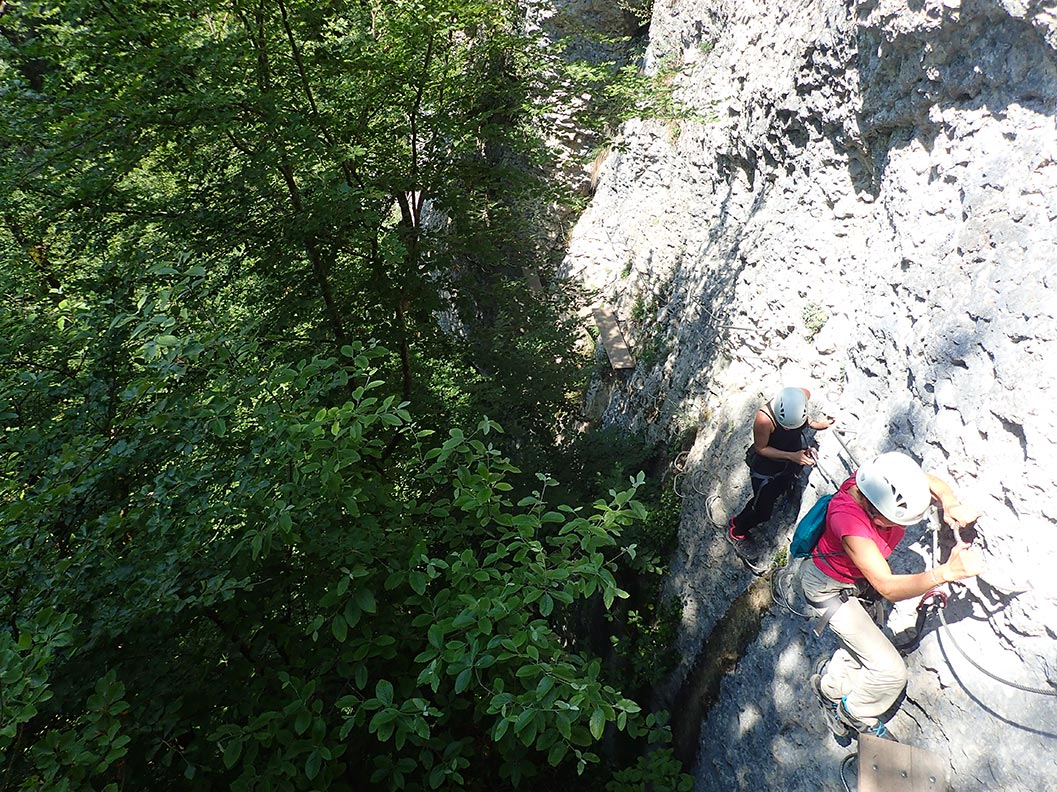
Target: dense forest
pixel 295 490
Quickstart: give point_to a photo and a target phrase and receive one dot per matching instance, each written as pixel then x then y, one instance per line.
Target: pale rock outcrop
pixel 867 193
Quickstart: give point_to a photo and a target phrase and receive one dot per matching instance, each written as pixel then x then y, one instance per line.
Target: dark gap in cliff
pixel 718 656
pixel 1017 431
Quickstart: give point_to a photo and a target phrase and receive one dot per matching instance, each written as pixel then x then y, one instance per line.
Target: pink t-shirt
pixel 845 517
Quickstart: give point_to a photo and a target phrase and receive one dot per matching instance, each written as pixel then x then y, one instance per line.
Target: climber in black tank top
pixel 778 451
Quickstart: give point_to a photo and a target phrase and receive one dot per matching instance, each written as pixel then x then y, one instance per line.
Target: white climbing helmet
pixel 897 487
pixel 790 407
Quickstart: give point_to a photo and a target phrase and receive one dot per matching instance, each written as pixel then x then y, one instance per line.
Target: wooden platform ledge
pixel 612 339
pixel 894 767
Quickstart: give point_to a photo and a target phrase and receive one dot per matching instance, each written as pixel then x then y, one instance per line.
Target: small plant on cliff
pixel 638 310
pixel 653 349
pixel 640 10
pixel 814 317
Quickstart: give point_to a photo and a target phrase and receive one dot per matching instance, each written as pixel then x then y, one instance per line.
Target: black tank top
pixel 784 440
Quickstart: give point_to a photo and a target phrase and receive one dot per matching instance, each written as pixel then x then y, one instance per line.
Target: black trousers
pixel 765 493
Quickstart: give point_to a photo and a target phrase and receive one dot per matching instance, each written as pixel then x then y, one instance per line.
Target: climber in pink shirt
pixel 865 521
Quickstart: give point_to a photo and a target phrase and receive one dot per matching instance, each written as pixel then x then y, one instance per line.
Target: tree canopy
pixel 260 527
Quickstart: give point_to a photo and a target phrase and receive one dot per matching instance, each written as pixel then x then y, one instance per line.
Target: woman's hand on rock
pixel 959 515
pixel 963 563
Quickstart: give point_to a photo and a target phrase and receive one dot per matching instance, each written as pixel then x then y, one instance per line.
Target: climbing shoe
pixel 736 533
pixel 858 726
pixel 820 666
pixel 829 708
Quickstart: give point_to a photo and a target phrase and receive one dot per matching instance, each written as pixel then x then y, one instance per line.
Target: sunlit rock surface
pixel 864 200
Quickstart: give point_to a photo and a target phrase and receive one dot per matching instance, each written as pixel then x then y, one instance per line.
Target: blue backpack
pixel 809 529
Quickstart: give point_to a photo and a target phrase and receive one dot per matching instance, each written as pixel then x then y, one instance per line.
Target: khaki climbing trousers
pixel 866 670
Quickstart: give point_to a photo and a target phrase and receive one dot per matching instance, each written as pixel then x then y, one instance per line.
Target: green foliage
pixel 640 10
pixel 638 310
pixel 647 642
pixel 624 92
pixel 314 611
pixel 600 459
pixel 651 343
pixel 656 535
pixel 245 539
pixel 659 771
pixel 646 637
pixel 653 349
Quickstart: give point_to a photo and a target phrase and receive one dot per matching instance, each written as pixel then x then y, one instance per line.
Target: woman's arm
pixel 963 563
pixel 955 513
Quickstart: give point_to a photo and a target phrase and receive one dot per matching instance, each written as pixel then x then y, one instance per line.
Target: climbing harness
pixel 872 602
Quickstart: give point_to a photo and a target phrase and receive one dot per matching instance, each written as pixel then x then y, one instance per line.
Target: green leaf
pixel 312 765
pixel 598 723
pixel 417 580
pixel 524 719
pixel 383 691
pixel 562 722
pixel 500 729
pixel 365 599
pixel 557 753
pixel 463 680
pixel 232 752
pixel 339 628
pixel 352 613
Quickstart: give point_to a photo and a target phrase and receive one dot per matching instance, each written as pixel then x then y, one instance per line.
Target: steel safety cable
pixel 949 633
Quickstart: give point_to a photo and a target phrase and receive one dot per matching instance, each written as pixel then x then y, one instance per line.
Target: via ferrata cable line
pixel 950 634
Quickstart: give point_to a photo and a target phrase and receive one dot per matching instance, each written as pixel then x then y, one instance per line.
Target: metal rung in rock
pixel 612 339
pixel 886 766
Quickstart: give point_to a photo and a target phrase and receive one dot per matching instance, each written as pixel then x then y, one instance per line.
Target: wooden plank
pixel 612 339
pixel 886 766
pixel 533 280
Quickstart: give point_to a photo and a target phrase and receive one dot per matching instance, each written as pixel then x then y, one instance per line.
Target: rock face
pixel 864 198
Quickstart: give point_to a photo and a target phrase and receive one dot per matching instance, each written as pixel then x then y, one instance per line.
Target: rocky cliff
pixel 863 196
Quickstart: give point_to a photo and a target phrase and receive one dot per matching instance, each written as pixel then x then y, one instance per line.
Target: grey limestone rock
pixel 891 167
